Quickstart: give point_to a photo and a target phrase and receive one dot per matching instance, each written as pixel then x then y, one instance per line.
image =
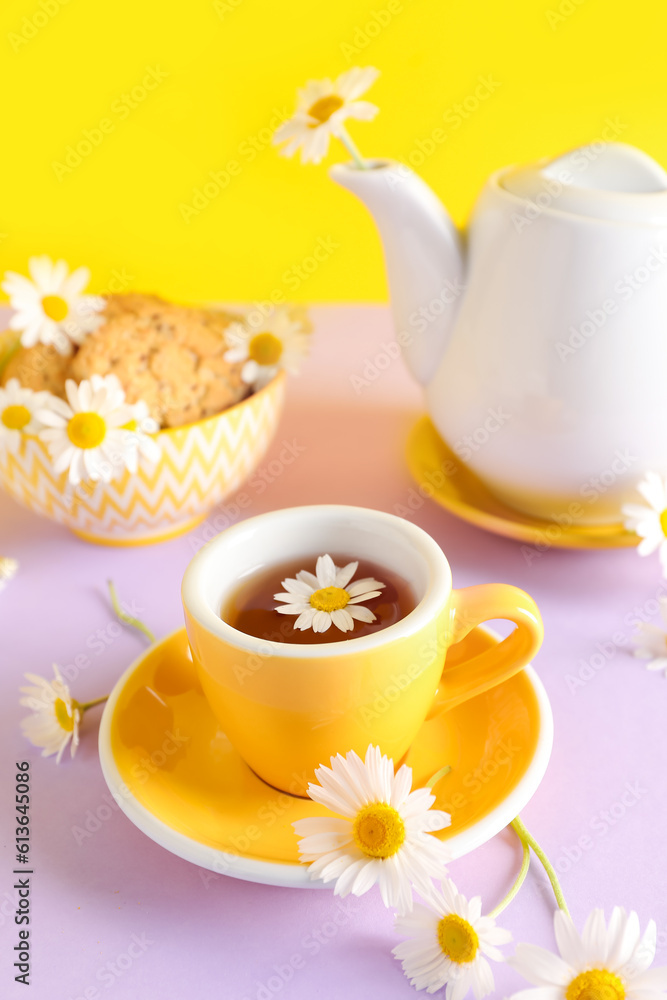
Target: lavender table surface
pixel 114 914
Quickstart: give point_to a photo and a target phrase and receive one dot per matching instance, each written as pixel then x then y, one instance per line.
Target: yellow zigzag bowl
pixel 201 464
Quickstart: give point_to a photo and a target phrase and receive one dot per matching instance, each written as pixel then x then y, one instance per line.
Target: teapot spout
pixel 423 256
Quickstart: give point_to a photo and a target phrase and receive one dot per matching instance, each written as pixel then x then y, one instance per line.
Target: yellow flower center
pixel 86 430
pixel 379 830
pixel 457 938
pixel 65 720
pixel 596 984
pixel 663 521
pixel 329 599
pixel 265 349
pixel 55 307
pixel 323 109
pixel 15 417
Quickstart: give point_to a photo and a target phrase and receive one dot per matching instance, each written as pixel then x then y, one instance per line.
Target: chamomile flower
pixel 450 942
pixel 650 523
pixel 140 439
pixel 609 962
pixel 280 343
pixel 322 107
pixel 55 717
pixel 86 435
pixel 50 308
pixel 382 832
pixel 8 569
pixel 18 413
pixel 329 597
pixel 651 642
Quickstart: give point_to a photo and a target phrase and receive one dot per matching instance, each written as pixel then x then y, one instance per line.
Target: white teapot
pixel 542 346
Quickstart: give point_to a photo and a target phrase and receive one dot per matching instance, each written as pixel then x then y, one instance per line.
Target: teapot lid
pixel 610 180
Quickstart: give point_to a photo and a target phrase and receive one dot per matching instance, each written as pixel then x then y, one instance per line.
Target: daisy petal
pixel 594 938
pixel 360 613
pixel 568 940
pixel 365 597
pixel 652 979
pixel 342 620
pixel 325 571
pixel 321 621
pixel 305 619
pixel 344 575
pixel 540 966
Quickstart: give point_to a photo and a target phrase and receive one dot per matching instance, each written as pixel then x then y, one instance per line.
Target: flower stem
pixel 128 619
pixel 84 706
pixel 437 776
pixel 518 882
pixel 528 840
pixel 346 139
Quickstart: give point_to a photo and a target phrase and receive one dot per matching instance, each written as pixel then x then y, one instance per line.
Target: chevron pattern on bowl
pixel 201 464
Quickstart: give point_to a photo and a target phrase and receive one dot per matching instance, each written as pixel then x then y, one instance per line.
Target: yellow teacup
pixel 288 708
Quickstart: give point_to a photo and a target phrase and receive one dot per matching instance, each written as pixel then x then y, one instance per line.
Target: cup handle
pixel 463 679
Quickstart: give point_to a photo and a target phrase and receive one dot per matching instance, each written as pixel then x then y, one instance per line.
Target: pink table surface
pixel 221 938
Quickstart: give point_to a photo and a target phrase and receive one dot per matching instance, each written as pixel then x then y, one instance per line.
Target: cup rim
pixel 438 588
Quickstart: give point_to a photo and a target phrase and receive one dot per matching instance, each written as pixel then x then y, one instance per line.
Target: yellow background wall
pixel 560 69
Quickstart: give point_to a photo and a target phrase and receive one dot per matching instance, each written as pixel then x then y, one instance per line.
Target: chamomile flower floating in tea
pixel 92 434
pixel 18 413
pixel 55 718
pixel 322 107
pixel 279 344
pixel 449 943
pixel 607 962
pixel 650 523
pixel 252 607
pixel 651 642
pixel 8 570
pixel 382 832
pixel 329 597
pixel 50 308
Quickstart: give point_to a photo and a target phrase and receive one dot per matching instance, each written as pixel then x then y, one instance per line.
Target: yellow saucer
pixel 444 477
pixel 176 776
